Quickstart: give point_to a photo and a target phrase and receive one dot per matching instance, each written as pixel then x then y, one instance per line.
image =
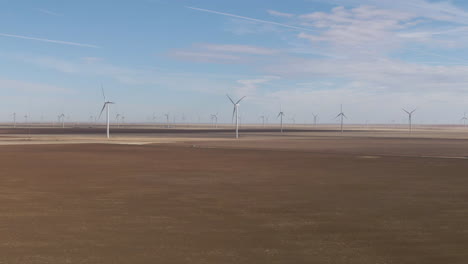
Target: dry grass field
pixel 302 197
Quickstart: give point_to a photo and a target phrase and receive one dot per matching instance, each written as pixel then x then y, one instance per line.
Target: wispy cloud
pixel 243 49
pixel 202 56
pixel 48 12
pixel 279 14
pixel 251 19
pixel 249 87
pixel 49 40
pixel 436 10
pixel 222 53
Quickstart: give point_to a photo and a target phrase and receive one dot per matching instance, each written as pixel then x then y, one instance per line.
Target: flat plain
pixel 201 197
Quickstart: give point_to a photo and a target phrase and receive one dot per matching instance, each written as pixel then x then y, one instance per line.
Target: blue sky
pixel 183 56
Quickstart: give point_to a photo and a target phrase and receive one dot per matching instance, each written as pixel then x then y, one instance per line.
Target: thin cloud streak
pixel 48 12
pixel 251 19
pixel 50 40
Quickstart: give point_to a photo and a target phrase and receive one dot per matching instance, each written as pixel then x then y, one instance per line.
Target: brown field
pixel 303 197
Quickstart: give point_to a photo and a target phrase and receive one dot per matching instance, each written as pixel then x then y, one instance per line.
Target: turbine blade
pixel 338 116
pixel 405 111
pixel 230 98
pixel 103 107
pixel 233 113
pixel 103 94
pixel 240 100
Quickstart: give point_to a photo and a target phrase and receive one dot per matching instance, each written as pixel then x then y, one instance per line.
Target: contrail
pixel 49 40
pixel 250 19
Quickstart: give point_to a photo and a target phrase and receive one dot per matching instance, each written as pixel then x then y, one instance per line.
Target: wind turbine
pixel 464 118
pixel 410 119
pixel 154 118
pixel 117 118
pixel 342 116
pixel 26 119
pixel 293 119
pixel 62 118
pixel 214 118
pixel 14 120
pixel 280 115
pixel 236 112
pixel 315 119
pixel 107 107
pixel 263 120
pixel 167 119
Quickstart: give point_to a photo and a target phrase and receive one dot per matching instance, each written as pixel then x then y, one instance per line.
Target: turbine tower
pixel 154 118
pixel 62 118
pixel 107 107
pixel 315 119
pixel 167 119
pixel 117 119
pixel 410 119
pixel 14 120
pixel 263 120
pixel 214 119
pixel 342 116
pixel 464 118
pixel 280 115
pixel 293 119
pixel 236 113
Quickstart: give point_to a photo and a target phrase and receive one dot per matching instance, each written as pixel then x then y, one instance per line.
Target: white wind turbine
pixel 410 119
pixel 107 107
pixel 167 119
pixel 342 116
pixel 280 115
pixel 14 120
pixel 236 113
pixel 464 118
pixel 263 120
pixel 214 119
pixel 154 118
pixel 293 120
pixel 315 119
pixel 62 118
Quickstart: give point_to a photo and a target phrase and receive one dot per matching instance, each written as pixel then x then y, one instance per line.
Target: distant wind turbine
pixel 14 120
pixel 61 118
pixel 117 119
pixel 107 107
pixel 236 113
pixel 342 116
pixel 154 118
pixel 214 120
pixel 293 119
pixel 167 119
pixel 410 119
pixel 263 120
pixel 280 116
pixel 315 119
pixel 464 118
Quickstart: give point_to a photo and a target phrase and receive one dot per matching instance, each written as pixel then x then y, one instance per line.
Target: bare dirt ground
pixel 297 198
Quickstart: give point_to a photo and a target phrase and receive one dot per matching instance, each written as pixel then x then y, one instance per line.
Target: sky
pixel 183 56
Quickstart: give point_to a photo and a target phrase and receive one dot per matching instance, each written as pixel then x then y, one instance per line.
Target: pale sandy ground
pixel 186 134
